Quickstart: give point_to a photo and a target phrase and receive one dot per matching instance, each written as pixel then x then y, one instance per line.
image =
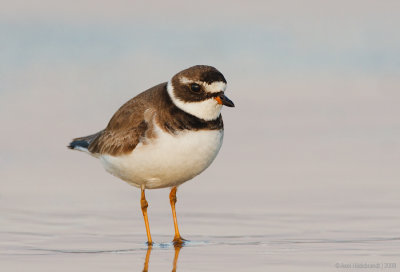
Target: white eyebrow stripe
pixel 185 80
pixel 215 87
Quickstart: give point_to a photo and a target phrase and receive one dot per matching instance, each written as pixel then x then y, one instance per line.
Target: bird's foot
pixel 179 241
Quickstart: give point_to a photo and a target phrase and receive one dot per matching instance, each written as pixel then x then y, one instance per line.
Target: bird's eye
pixel 195 87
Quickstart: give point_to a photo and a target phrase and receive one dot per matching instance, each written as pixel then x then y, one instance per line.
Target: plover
pixel 164 136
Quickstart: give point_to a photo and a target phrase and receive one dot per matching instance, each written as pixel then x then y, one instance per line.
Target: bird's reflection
pixel 177 250
pixel 146 262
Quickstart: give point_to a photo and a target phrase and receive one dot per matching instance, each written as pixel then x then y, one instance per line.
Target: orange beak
pixel 223 100
pixel 218 100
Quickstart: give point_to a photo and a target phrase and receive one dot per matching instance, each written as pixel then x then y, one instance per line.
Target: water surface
pixel 308 240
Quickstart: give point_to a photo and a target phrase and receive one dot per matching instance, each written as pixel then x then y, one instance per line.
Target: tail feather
pixel 82 143
pixel 78 144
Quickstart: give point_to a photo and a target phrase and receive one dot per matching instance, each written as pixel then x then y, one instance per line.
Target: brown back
pixel 133 121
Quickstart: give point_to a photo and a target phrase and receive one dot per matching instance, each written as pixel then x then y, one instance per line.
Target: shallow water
pixel 319 239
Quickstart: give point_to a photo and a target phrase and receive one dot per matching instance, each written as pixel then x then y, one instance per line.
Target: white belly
pixel 168 160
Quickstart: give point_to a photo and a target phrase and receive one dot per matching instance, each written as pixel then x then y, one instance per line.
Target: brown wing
pixel 129 124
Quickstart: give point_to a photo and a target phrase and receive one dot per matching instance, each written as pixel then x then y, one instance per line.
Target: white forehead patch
pixel 207 109
pixel 215 87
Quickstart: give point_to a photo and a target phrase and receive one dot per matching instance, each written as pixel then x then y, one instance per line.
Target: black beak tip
pixel 227 102
pixel 231 104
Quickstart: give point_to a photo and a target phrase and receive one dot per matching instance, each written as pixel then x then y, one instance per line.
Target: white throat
pixel 207 110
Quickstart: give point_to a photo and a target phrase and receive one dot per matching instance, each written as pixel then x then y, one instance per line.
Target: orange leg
pixel 178 240
pixel 144 205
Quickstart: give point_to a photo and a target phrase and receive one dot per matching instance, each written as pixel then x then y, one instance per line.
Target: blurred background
pixel 315 129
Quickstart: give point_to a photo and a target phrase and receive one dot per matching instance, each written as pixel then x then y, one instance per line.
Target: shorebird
pixel 164 136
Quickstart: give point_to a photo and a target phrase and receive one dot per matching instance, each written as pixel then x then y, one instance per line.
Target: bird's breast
pixel 168 159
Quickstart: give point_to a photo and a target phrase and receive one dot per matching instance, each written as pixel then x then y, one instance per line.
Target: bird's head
pixel 199 91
